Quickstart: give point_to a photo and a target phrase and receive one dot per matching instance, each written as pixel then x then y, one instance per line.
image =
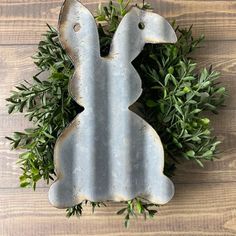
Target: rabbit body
pixel 108 152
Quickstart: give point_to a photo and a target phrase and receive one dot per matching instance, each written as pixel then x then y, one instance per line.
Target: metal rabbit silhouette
pixel 108 152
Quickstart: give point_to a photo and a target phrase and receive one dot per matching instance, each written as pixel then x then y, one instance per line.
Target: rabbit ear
pixel 78 30
pixel 127 41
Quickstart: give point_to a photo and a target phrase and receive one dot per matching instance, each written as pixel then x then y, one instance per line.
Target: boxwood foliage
pixel 176 99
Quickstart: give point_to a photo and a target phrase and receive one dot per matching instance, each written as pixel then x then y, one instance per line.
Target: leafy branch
pixel 77 210
pixel 138 206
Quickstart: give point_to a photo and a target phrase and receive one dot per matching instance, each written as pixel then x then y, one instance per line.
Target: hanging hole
pixel 141 25
pixel 76 27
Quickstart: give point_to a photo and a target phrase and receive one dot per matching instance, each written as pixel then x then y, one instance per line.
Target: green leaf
pixel 199 163
pixel 151 103
pixel 127 221
pixel 197 110
pixel 204 75
pixel 177 107
pixel 180 93
pixel 121 211
pixel 207 153
pixel 11 108
pixel 24 184
pixel 152 213
pixel 48 135
pixel 139 207
pixel 220 90
pixel 190 153
pixel 189 78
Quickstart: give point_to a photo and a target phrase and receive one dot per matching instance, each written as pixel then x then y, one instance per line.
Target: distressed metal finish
pixel 108 152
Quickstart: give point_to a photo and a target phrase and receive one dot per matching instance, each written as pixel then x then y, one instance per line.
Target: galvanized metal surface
pixel 108 152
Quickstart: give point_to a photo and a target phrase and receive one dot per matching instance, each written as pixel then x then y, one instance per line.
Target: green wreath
pixel 175 99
